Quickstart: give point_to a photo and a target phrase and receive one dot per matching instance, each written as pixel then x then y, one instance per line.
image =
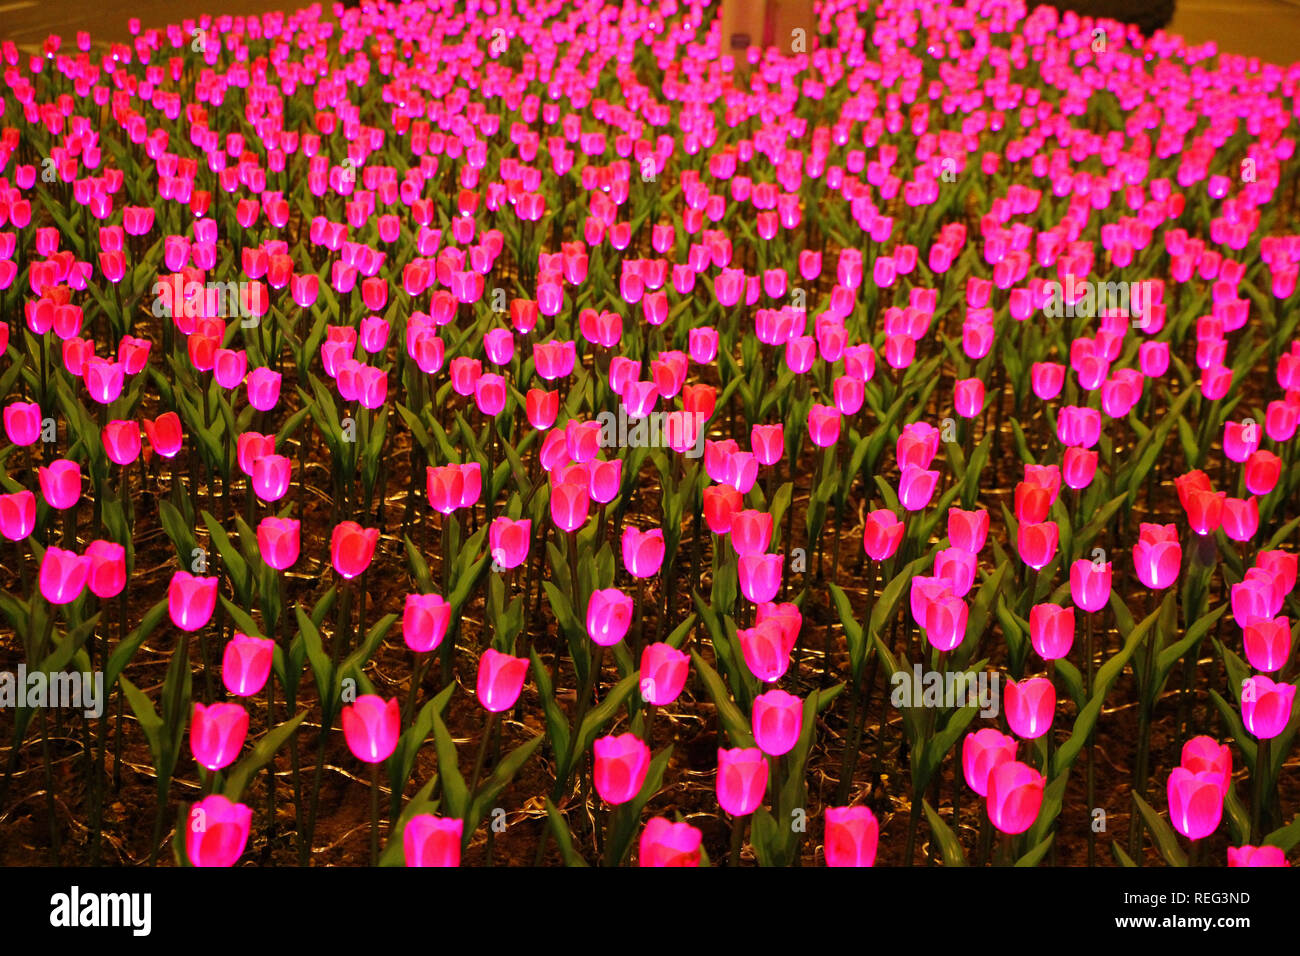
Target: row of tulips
pixel 439 256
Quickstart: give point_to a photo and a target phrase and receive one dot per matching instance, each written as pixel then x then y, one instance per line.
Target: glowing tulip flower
pixel 1047 379
pixel 278 542
pixel 1240 518
pixel 1263 469
pixel 263 386
pixel 1090 585
pixel 945 621
pixel 371 727
pixel 882 534
pixel 570 501
pixel 767 443
pixel 916 487
pixel 1158 556
pixel 17 515
pixel 1268 643
pixel 1037 543
pixel 981 753
pixel 246 664
pixel 1204 510
pixel 1195 802
pixel 1030 706
pixel 760 576
pixel 1254 597
pixel 968 397
pixel 60 483
pixel 445 488
pixel 664 843
pixel 1266 706
pixel 957 568
pixel 541 408
pixel 823 425
pixel 107 575
pixel 609 614
pixel 432 841
pixel 643 551
pixel 508 541
pixel 968 530
pixel 1240 441
pixel 217 733
pixel 751 531
pixel 663 674
pixel 1256 856
pixel 1051 630
pixel 164 434
pixel 619 767
pixel 63 575
pixel 1078 467
pixel 425 621
pixel 352 547
pixel 191 600
pixel 500 679
pixel 217 830
pixel 1032 503
pixel 1015 795
pixel 1206 755
pixel 766 648
pixel 741 780
pixel 852 834
pixel 271 474
pixel 777 721
pixel 22 422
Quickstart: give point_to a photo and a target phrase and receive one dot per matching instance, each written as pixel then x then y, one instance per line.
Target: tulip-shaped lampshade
pixel 217 832
pixel 620 767
pixel 246 664
pixel 981 753
pixel 852 834
pixel 778 721
pixel 432 841
pixel 1015 796
pixel 371 727
pixel 664 843
pixel 217 733
pixel 500 679
pixel 742 779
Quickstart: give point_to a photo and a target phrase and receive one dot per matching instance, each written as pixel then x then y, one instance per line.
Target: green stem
pixel 374 814
pixel 737 840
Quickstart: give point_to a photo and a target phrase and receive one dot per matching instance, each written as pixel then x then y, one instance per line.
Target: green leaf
pixel 949 845
pixel 557 724
pixel 1106 676
pixel 241 618
pixel 1120 856
pixel 259 757
pixel 563 837
pixel 600 715
pixel 1166 841
pixel 1285 837
pixel 150 722
pixel 453 784
pixel 322 668
pixel 126 649
pixel 852 630
pixel 627 816
pixel 733 721
pixel 394 851
pixel 1237 817
pixel 501 775
pixel 413 739
pixel 1035 856
pixel 1170 655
